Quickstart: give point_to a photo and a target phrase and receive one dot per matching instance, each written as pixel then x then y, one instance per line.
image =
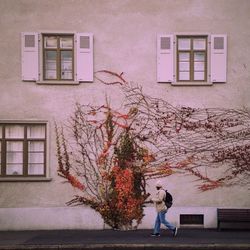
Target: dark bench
pixel 241 216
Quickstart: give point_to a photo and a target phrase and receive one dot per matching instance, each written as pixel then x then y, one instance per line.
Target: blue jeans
pixel 160 219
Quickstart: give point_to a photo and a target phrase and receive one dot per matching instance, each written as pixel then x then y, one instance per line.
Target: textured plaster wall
pixel 124 41
pixel 78 218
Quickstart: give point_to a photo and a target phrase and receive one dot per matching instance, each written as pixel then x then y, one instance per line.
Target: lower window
pixel 22 149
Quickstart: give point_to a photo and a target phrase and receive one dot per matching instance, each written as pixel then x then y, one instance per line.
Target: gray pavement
pixel 196 239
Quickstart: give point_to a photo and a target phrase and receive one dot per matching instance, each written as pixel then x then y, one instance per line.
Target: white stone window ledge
pixel 57 82
pixel 192 83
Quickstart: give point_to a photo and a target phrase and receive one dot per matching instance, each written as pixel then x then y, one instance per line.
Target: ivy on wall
pixel 108 154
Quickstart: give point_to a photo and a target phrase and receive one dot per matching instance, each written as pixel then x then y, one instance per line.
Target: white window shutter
pixel 30 56
pixel 84 57
pixel 165 58
pixel 218 58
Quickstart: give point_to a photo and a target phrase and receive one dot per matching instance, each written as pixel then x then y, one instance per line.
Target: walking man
pixel 161 210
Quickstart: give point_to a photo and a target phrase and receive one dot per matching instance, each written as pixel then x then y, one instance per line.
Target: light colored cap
pixel 158 184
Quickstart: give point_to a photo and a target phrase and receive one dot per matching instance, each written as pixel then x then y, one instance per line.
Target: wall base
pixel 60 218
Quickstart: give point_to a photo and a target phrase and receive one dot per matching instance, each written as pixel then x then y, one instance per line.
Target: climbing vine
pixel 108 155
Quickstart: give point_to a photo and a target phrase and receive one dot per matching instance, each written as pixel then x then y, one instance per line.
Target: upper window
pixel 191 59
pixel 57 57
pixel 22 150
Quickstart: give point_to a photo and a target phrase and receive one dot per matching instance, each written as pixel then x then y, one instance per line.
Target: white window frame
pixel 173 80
pixel 76 79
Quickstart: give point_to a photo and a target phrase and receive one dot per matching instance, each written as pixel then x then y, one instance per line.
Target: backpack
pixel 168 199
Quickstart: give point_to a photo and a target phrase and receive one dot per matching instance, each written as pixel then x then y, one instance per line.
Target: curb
pixel 131 247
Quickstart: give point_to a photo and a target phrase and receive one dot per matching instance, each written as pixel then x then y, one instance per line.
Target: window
pixel 22 150
pixel 192 59
pixel 57 58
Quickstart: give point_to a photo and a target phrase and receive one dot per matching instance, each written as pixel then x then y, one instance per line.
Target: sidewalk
pixel 195 239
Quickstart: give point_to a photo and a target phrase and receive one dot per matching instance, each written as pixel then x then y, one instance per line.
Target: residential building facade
pixel 188 52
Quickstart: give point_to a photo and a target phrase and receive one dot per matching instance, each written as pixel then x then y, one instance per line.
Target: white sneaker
pixel 155 234
pixel 175 232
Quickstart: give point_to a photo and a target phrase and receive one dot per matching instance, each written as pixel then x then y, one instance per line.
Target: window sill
pixel 25 179
pixel 192 83
pixel 58 83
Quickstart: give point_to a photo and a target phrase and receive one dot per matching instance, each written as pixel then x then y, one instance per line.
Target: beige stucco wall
pixel 124 41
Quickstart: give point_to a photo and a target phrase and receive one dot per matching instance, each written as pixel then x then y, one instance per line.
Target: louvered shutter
pixel 84 57
pixel 30 56
pixel 165 58
pixel 218 58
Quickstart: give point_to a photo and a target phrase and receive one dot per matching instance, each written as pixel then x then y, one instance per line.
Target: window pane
pixel 199 66
pixel 184 76
pixel 36 158
pixel 14 157
pixel 184 66
pixel 50 65
pixel 14 146
pixel 14 169
pixel 14 152
pixel 1 131
pixel 14 131
pixel 184 56
pixel 66 42
pixel 36 169
pixel 199 76
pixel 199 44
pixel 50 42
pixel 199 57
pixel 36 131
pixel 184 44
pixel 66 65
pixel 36 146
